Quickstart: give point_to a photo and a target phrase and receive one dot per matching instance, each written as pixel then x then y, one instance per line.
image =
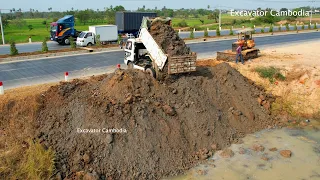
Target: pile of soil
pixel 168 39
pixel 166 128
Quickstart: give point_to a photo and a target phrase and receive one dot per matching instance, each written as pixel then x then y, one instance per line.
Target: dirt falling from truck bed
pixel 169 127
pixel 168 39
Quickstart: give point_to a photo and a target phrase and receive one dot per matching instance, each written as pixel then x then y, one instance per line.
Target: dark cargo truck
pixel 130 22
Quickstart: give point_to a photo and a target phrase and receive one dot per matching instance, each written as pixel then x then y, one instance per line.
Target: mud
pixel 166 128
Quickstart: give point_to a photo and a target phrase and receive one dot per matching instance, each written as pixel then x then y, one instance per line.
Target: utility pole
pixel 219 18
pixel 311 11
pixel 2 34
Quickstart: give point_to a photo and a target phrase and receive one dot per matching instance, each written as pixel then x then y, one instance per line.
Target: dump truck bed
pixel 175 64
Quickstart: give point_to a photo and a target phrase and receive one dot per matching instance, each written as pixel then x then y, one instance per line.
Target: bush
pixel 309 26
pixel 218 31
pixel 271 28
pixel 13 48
pixel 98 42
pixel 315 26
pixel 287 27
pixel 44 22
pixel 271 73
pixel 279 28
pixel 206 34
pixel 44 45
pixel 253 29
pixel 302 27
pixel 231 32
pixel 183 23
pixel 191 34
pixel 73 44
pixel 262 29
pixel 295 27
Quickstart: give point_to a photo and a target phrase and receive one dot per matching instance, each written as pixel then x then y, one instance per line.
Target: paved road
pixel 5 49
pixel 52 69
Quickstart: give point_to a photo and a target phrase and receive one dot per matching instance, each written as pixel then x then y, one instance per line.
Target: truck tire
pixel 130 65
pixel 151 72
pixel 66 41
pixel 89 44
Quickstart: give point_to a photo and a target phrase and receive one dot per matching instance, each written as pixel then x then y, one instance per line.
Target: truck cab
pixel 136 55
pixel 85 38
pixel 63 29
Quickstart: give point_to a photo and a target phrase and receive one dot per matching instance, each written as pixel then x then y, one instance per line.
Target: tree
pixel 262 29
pixel 44 45
pixel 83 16
pixel 283 9
pixel 98 42
pixel 287 27
pixel 191 34
pixel 214 15
pixel 271 28
pixel 218 31
pixel 315 26
pixel 73 44
pixel 208 7
pixel 309 26
pixel 231 31
pixel 13 48
pixel 206 34
pixel 302 27
pixel 295 27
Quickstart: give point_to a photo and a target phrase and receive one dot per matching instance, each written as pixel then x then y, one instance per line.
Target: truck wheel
pixel 66 41
pixel 130 65
pixel 89 44
pixel 151 72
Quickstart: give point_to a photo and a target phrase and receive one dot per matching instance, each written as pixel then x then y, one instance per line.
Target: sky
pixel 62 5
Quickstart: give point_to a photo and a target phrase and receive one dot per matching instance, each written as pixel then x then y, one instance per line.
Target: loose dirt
pixel 168 39
pixel 169 127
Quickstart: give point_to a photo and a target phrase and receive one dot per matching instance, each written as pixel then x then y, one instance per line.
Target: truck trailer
pixel 130 22
pixel 107 33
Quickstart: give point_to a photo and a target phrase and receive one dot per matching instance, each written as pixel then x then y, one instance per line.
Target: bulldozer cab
pixel 245 39
pixel 245 34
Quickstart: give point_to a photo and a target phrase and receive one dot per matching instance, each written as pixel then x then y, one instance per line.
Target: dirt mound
pixel 158 129
pixel 168 39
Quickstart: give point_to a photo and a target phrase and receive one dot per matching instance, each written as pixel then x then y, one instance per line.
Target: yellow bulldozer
pixel 248 47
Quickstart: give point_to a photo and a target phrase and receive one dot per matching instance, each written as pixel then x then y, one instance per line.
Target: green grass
pixel 38 33
pixel 271 73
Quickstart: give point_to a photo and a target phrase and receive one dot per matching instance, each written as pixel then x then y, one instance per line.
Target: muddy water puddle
pixel 247 163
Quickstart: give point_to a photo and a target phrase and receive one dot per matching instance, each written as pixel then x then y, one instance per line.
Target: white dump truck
pixel 145 54
pixel 108 33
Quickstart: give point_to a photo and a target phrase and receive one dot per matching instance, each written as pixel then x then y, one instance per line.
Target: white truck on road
pixel 145 54
pixel 108 33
